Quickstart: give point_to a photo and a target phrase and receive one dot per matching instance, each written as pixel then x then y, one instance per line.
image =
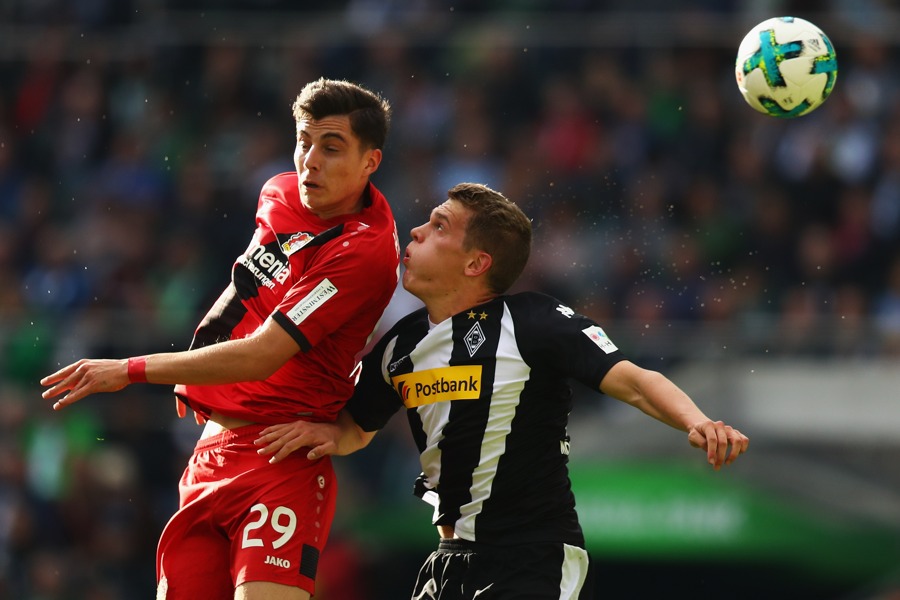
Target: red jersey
pixel 326 282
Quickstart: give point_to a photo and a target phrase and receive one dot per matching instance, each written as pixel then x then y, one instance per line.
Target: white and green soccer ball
pixel 785 67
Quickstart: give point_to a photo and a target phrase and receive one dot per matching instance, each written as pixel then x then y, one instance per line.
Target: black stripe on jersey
pixel 292 330
pixel 532 473
pixel 326 236
pixel 413 333
pixel 465 445
pixel 221 319
pixel 285 239
pixel 417 428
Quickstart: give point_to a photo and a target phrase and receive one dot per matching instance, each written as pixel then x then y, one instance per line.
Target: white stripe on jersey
pixel 433 352
pixel 505 398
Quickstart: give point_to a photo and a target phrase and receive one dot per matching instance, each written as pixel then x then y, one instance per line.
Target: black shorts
pixel 462 570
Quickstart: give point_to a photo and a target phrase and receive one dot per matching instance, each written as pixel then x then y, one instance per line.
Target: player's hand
pixel 282 439
pixel 723 443
pixel 85 377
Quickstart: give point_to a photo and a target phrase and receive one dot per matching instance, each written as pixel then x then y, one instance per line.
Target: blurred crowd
pixel 132 152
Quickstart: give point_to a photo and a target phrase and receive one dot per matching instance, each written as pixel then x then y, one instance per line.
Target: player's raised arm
pixel 659 397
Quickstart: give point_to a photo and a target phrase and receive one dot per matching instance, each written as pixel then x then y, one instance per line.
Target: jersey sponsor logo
pixel 296 242
pixel 598 336
pixel 265 265
pixel 313 300
pixel 278 562
pixel 439 385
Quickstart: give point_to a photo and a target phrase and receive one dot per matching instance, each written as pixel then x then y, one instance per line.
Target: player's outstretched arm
pixel 342 437
pixel 252 358
pixel 657 396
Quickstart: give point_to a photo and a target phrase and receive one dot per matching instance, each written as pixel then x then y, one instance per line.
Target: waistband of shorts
pixel 460 546
pixel 244 433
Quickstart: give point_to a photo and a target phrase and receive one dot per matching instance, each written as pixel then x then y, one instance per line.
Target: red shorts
pixel 243 519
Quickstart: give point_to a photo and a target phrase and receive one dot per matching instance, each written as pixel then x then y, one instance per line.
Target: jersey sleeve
pixel 556 336
pixel 346 281
pixel 374 400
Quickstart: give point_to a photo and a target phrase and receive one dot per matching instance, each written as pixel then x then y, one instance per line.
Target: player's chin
pixel 410 282
pixel 407 278
pixel 312 196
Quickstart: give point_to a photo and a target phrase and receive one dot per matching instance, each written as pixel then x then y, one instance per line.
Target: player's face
pixel 333 168
pixel 435 259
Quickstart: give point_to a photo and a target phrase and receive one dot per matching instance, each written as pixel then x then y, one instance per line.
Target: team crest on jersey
pixel 474 339
pixel 598 336
pixel 295 242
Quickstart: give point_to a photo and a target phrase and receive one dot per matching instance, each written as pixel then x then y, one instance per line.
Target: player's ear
pixel 373 159
pixel 479 264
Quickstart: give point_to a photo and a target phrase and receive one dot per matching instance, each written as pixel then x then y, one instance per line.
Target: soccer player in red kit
pixel 282 342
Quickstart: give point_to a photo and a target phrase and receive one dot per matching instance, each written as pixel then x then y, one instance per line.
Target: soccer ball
pixel 785 67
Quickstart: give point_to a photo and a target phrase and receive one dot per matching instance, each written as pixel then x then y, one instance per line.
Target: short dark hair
pixel 497 226
pixel 369 112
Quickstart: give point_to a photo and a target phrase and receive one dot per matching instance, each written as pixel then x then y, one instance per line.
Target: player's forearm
pixel 352 437
pixel 228 362
pixel 252 358
pixel 663 400
pixel 340 437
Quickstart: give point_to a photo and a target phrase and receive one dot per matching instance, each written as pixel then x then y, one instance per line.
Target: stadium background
pixel 755 261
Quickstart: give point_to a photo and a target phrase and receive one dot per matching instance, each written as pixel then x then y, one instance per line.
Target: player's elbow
pixel 628 382
pixel 363 437
pixel 354 437
pixel 262 356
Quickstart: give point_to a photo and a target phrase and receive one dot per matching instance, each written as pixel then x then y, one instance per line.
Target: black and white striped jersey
pixel 488 399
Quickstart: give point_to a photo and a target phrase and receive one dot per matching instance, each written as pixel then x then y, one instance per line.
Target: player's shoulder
pixel 377 215
pixel 414 319
pixel 413 325
pixel 280 187
pixel 540 313
pixel 287 179
pixel 374 230
pixel 532 301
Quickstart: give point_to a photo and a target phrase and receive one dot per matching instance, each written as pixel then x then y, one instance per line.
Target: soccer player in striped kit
pixel 483 377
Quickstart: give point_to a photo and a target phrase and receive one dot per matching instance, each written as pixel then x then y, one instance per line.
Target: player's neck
pixel 350 205
pixel 333 212
pixel 444 308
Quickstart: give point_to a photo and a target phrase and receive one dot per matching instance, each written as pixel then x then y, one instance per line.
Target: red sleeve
pixel 351 279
